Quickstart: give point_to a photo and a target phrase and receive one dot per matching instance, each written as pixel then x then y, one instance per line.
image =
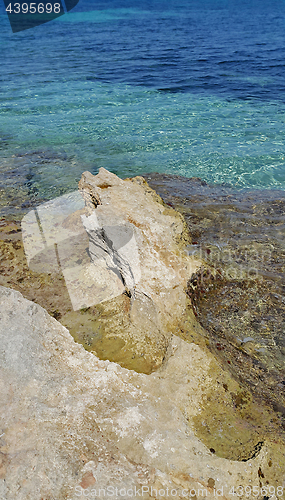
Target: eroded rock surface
pixel 139 243
pixel 71 423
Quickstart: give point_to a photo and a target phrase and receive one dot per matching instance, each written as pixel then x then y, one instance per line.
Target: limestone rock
pixel 72 424
pixel 124 241
pixel 143 242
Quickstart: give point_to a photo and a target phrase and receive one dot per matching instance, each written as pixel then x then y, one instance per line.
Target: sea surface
pixel 184 87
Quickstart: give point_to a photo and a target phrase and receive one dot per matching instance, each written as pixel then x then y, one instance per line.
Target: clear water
pixel 180 87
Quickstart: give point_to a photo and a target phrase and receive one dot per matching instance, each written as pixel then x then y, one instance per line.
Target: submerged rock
pixel 239 295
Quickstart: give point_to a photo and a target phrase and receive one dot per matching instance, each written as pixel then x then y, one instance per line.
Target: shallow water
pixel 173 87
pixel 239 296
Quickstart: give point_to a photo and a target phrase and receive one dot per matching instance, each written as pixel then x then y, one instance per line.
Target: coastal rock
pixel 133 287
pixel 72 424
pixel 122 255
pixel 166 415
pixel 239 295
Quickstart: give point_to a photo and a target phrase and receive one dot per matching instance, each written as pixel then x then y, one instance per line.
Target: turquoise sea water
pixel 187 88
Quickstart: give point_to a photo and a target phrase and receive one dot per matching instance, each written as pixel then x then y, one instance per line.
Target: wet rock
pixel 239 296
pixel 245 327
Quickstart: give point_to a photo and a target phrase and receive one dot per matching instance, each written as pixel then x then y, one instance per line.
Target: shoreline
pixel 49 290
pixel 129 381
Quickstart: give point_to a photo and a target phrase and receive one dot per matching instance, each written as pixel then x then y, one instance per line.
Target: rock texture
pixel 123 256
pixel 72 424
pixel 239 297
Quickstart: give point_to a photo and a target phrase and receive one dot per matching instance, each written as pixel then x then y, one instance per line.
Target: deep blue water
pixel 195 88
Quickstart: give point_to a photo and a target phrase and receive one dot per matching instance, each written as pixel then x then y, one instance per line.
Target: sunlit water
pixel 174 87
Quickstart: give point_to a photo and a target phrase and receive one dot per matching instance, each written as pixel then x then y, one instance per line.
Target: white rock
pixel 69 420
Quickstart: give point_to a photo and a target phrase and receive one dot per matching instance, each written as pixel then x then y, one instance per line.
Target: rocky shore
pixel 238 295
pixel 119 389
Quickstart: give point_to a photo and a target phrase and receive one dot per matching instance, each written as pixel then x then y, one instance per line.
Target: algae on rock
pixel 141 243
